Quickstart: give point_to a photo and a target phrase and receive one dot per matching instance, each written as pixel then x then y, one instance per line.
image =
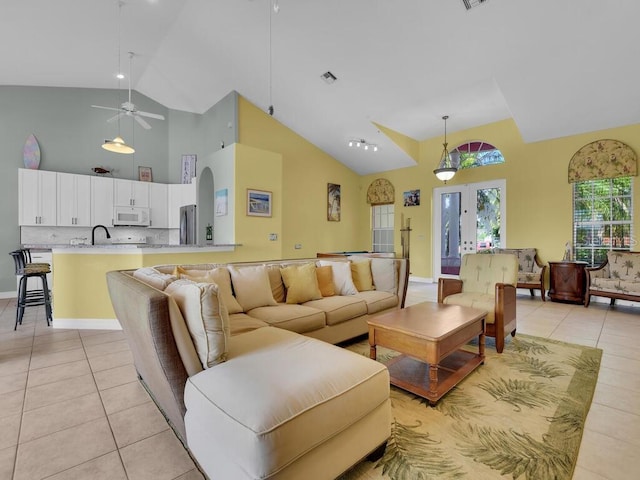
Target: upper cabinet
pixel 73 191
pixel 131 193
pixel 37 195
pixel 102 201
pixel 159 204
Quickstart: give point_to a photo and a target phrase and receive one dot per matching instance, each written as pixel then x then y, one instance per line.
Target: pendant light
pixel 446 170
pixel 117 145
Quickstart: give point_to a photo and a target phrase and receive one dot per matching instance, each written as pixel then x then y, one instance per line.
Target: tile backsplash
pixel 68 235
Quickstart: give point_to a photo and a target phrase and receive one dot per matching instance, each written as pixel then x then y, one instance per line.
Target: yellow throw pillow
pixel 325 281
pixel 220 276
pixel 301 283
pixel 361 274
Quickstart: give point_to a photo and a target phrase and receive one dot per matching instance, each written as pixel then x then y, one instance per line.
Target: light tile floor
pixel 71 406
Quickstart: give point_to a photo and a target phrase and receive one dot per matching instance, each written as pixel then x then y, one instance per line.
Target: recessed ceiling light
pixel 469 4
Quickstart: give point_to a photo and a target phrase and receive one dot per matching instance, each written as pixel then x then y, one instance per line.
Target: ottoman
pixel 286 406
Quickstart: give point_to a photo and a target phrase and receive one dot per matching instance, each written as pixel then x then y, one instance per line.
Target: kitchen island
pixel 80 295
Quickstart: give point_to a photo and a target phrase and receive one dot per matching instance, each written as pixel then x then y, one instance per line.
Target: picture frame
pixel 188 168
pixel 221 202
pixel 333 202
pixel 145 174
pixel 411 198
pixel 258 203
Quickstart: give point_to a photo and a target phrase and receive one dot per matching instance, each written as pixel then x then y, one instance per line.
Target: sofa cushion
pixel 361 274
pixel 480 273
pixel 377 301
pixel 325 281
pixel 251 286
pixel 526 258
pixel 218 275
pixel 385 274
pixel 154 277
pixel 297 318
pixel 276 283
pixel 339 308
pixel 305 400
pixel 615 285
pixel 342 281
pixel 481 301
pixel 243 323
pixel 206 318
pixel 301 283
pixel 524 277
pixel 624 266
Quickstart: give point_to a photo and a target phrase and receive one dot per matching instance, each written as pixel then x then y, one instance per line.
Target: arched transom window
pixel 476 154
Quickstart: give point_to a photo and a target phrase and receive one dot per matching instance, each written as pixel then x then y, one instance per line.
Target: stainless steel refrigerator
pixel 188 227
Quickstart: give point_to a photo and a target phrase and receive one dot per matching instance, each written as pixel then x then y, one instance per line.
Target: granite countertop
pixel 124 246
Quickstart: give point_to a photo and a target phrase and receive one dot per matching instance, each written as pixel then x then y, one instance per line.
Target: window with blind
pixel 602 218
pixel 382 231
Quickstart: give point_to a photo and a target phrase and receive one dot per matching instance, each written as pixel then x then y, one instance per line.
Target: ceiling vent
pixel 469 4
pixel 328 77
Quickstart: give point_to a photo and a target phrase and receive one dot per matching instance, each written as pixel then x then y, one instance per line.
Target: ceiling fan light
pixel 117 145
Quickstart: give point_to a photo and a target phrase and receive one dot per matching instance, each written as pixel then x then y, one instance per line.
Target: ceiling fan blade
pixel 150 115
pixel 106 108
pixel 144 124
pixel 115 117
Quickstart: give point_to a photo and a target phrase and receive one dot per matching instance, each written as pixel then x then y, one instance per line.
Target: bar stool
pixel 33 297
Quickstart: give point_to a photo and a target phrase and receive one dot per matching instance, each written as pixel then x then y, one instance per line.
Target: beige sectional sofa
pixel 239 358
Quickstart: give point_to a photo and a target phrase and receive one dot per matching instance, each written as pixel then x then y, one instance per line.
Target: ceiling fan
pixel 129 109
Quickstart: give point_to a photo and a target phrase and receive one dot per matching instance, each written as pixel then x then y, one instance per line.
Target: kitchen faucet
pixel 93 241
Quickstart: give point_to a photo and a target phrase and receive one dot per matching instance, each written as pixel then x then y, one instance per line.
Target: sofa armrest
pixel 597 271
pixel 448 286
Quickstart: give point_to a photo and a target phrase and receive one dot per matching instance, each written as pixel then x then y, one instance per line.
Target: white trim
pixel 413 278
pixel 87 323
pixel 11 294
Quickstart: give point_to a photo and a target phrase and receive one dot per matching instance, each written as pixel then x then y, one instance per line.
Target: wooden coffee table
pixel 429 337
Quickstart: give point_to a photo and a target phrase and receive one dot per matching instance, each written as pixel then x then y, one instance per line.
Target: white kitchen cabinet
pixel 131 193
pixel 158 205
pixel 37 197
pixel 74 200
pixel 102 201
pixel 179 195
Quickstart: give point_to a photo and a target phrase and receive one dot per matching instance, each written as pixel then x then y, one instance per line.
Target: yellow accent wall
pixel 539 197
pixel 306 171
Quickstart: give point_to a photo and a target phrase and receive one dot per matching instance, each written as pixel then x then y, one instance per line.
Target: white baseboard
pixel 11 294
pixel 87 323
pixel 413 278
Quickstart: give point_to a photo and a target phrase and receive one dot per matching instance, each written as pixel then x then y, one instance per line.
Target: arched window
pixel 476 154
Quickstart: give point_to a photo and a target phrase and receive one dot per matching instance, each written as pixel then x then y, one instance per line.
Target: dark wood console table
pixel 567 281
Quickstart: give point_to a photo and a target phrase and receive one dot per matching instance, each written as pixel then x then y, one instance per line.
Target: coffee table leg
pixel 481 346
pixel 433 379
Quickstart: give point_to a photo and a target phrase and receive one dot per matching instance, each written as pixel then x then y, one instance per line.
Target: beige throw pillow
pixel 385 275
pixel 206 318
pixel 301 283
pixel 342 281
pixel 325 281
pixel 251 285
pixel 361 274
pixel 220 276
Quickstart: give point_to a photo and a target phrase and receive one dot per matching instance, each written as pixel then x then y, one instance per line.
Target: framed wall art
pixel 221 202
pixel 411 198
pixel 188 168
pixel 144 174
pixel 258 203
pixel 333 202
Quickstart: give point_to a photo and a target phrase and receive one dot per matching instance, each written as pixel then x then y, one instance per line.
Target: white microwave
pixel 132 216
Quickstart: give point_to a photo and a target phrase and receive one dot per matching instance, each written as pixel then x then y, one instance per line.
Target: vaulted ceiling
pixel 557 67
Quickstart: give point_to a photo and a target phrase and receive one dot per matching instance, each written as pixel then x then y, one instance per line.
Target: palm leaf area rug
pixel 520 415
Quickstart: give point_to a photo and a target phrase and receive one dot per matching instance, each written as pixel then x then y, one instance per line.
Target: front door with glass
pixel 467 219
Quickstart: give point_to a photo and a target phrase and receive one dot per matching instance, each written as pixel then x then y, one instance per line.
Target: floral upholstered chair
pixel 617 277
pixel 487 282
pixel 531 270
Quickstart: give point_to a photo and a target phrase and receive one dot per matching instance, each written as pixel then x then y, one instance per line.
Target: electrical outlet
pixel 273 237
pixel 298 246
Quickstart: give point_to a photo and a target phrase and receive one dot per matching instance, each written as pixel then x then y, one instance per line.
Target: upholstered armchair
pixel 618 277
pixel 531 270
pixel 487 282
